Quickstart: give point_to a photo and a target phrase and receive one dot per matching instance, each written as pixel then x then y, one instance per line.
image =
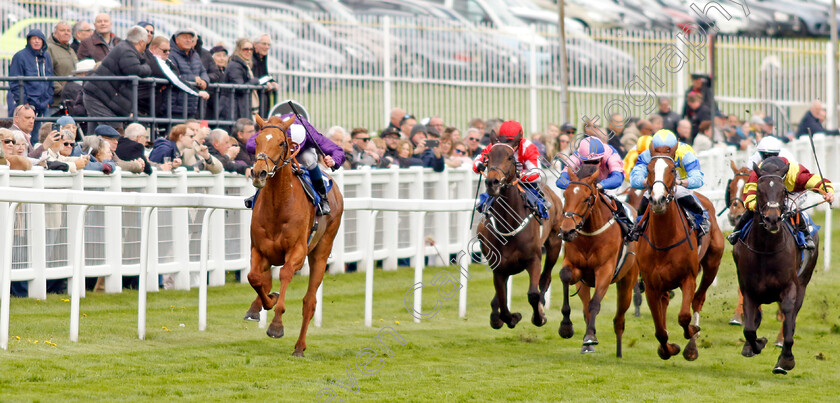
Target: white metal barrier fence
pixel 350 70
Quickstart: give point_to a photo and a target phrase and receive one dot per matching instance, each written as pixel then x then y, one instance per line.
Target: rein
pixel 669 198
pixel 290 155
pixel 590 203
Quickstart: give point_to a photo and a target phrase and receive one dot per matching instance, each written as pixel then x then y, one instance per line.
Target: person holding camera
pixel 427 146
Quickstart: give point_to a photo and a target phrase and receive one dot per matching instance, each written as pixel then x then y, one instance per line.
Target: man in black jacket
pixel 190 69
pixel 697 112
pixel 812 121
pixel 113 98
pixel 260 68
pixel 219 144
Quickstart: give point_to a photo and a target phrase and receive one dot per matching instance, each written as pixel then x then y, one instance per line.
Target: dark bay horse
pixel 736 207
pixel 280 229
pixel 593 247
pixel 669 257
pixel 769 265
pixel 512 238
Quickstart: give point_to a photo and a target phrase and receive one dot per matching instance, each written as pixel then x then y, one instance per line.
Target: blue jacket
pixel 809 123
pixel 430 161
pixel 189 67
pixel 164 147
pixel 686 163
pixel 31 63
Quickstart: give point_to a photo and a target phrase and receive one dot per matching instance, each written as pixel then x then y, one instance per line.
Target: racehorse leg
pixel 317 268
pixel 690 330
pixel 500 282
pixel 658 304
pixel 552 252
pixel 625 286
pixel 637 297
pixel 567 277
pixel 495 321
pixel 260 279
pixel 602 284
pixel 534 294
pixel 294 261
pixel 738 315
pixel 752 319
pixel 583 292
pixel 791 302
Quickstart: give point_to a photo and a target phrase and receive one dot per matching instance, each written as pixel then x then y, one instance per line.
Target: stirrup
pixel 323 207
pixel 809 243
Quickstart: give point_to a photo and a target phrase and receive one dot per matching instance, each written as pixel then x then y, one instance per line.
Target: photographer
pixel 430 144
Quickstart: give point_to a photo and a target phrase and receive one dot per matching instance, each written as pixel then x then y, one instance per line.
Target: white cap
pixel 769 144
pixel 297 133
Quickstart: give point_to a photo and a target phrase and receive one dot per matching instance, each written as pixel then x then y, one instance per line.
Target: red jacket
pixel 527 155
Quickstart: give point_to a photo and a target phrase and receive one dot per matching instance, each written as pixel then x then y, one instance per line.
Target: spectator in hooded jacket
pixel 113 98
pixel 32 61
pixel 63 56
pixel 190 69
pixel 102 42
pixel 239 71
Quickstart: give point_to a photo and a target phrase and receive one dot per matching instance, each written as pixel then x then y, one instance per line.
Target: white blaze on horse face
pixel 659 168
pixel 771 184
pixel 269 137
pixel 575 190
pixel 739 186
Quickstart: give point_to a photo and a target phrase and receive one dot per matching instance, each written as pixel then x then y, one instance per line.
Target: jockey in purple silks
pixel 310 140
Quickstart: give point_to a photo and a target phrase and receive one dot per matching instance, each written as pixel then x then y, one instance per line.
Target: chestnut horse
pixel 736 207
pixel 593 247
pixel 769 266
pixel 512 238
pixel 280 229
pixel 669 256
pixel 634 199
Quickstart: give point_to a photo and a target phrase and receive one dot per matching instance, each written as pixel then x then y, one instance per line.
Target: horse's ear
pixel 734 168
pixel 672 151
pixel 494 137
pixel 286 123
pixel 756 169
pixel 260 121
pixel 572 173
pixel 787 169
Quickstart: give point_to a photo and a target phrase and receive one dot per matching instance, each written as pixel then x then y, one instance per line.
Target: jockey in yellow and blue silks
pixel 690 177
pixel 591 150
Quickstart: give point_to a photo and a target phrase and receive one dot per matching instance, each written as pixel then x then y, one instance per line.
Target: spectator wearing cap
pixel 812 121
pixel 32 60
pixel 190 68
pixel 670 119
pixel 220 57
pixel 71 101
pixel 67 122
pixel 130 153
pixel 63 56
pixel 238 104
pixel 418 139
pixel 102 42
pixel 81 30
pixel 394 120
pixel 701 85
pixel 114 98
pixel 111 136
pixel 391 136
pixel 703 141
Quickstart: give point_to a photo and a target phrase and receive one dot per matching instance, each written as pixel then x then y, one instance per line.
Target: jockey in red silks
pixel 592 150
pixel 527 162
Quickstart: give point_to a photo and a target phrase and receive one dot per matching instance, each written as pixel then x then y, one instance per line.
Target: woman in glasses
pixel 240 71
pixel 9 152
pixel 59 153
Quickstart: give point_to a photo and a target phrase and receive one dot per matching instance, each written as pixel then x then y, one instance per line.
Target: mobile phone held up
pixel 432 143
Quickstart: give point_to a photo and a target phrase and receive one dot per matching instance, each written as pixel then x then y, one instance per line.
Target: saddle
pixel 306 182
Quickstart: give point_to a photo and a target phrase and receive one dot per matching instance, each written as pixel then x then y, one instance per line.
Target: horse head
pixel 735 192
pixel 771 193
pixel 274 148
pixel 501 168
pixel 661 178
pixel 581 196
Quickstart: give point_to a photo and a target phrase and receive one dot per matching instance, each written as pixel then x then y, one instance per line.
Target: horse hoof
pixel 587 349
pixel 638 313
pixel 747 351
pixel 275 332
pixel 761 343
pixel 735 322
pixel 693 330
pixel 785 364
pixel 538 320
pixel 690 353
pixel 495 321
pixel 590 341
pixel 780 344
pixel 254 316
pixel 662 353
pixel 780 371
pixel 298 354
pixel 566 329
pixel 514 319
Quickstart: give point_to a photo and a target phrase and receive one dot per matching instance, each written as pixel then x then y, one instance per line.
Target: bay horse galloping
pixel 735 205
pixel 594 245
pixel 669 256
pixel 280 228
pixel 769 264
pixel 512 238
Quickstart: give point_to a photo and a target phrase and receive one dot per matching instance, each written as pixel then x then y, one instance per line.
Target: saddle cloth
pixel 305 181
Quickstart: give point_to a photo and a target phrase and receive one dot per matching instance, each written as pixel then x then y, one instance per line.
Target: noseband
pixel 276 165
pixel 669 192
pixel 773 204
pixel 590 202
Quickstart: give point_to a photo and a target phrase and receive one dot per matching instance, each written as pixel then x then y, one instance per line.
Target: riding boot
pixel 701 217
pixel 807 239
pixel 621 218
pixel 736 233
pixel 640 225
pixel 318 184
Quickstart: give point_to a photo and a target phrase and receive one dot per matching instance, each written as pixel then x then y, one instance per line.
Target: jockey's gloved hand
pixel 600 187
pixel 480 166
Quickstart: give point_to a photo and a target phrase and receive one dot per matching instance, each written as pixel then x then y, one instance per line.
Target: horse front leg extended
pixel 791 302
pixel 260 279
pixel 294 261
pixel 500 282
pixel 738 315
pixel 626 286
pixel 690 330
pixel 752 319
pixel 658 304
pixel 566 329
pixel 535 296
pixel 602 284
pixel 552 252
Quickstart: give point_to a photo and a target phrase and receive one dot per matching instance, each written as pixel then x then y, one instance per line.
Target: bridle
pixel 729 197
pixel 589 201
pixel 290 155
pixel 669 191
pixel 763 208
pixel 505 175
